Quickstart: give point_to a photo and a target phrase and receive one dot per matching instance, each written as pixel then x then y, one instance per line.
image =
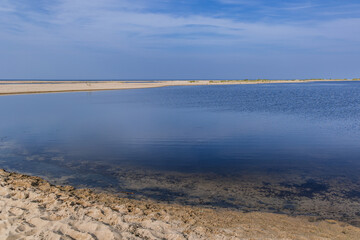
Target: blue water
pixel 229 130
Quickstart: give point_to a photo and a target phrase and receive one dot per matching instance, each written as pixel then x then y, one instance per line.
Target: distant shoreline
pixel 34 87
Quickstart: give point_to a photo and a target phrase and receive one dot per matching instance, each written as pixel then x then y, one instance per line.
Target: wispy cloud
pixel 139 25
pixel 115 23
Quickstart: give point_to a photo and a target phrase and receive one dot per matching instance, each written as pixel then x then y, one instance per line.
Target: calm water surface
pixel 281 143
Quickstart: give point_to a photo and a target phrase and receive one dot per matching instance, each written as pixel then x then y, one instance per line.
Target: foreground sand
pixel 26 87
pixel 31 208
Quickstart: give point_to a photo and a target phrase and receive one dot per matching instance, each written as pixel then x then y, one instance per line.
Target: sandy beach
pixel 27 87
pixel 179 120
pixel 32 208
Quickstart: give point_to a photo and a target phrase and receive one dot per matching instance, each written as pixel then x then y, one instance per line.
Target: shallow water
pixel 292 148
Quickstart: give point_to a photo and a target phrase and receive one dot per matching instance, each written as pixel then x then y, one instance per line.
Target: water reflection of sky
pixel 198 126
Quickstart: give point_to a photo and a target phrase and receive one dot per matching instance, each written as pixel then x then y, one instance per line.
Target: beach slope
pixel 32 208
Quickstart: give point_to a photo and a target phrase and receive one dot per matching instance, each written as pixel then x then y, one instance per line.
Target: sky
pixel 179 39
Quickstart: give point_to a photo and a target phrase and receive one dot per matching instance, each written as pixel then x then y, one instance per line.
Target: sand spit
pixel 31 208
pixel 27 87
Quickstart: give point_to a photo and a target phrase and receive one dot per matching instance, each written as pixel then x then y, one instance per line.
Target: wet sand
pixel 32 208
pixel 27 87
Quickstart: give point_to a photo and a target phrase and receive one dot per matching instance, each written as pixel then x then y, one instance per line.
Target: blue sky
pixel 183 39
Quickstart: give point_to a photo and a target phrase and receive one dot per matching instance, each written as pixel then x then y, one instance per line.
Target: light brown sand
pixel 31 208
pixel 26 87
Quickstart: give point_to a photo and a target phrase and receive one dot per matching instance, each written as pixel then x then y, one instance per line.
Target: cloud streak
pixel 135 26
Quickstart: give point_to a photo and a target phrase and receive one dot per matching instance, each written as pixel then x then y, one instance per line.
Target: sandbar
pixel 31 87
